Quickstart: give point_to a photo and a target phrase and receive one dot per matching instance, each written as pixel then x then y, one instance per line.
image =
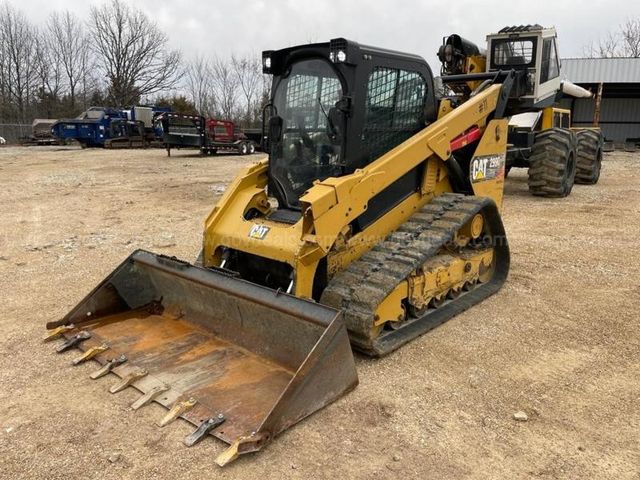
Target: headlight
pixel 267 62
pixel 338 48
pixel 338 57
pixel 448 53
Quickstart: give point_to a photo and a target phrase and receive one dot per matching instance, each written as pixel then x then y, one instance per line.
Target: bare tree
pixel 631 37
pixel 230 88
pixel 71 44
pixel 18 54
pixel 49 71
pixel 248 70
pixel 262 99
pixel 623 43
pixel 132 52
pixel 225 88
pixel 199 85
pixel 606 47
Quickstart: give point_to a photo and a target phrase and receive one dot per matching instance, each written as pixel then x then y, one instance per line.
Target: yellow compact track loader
pixel 375 218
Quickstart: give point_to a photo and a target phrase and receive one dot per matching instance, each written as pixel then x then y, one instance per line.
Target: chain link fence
pixel 13 132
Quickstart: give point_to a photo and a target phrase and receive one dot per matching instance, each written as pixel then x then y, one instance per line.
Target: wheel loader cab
pixel 317 130
pixel 530 49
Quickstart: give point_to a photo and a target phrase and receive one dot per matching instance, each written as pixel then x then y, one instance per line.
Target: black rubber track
pixel 589 156
pixel 552 164
pixel 362 286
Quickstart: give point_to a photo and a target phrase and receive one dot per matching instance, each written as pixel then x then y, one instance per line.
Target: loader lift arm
pixel 327 211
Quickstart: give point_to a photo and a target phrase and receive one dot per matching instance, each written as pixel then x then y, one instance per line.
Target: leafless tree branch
pixel 622 43
pixel 132 53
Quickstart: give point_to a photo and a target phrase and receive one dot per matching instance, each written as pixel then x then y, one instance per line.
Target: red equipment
pixel 224 135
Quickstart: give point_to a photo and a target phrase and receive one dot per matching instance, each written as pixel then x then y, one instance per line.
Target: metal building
pixel 618 81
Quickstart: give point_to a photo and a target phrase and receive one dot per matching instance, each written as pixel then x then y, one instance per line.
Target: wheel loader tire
pixel 552 164
pixel 589 157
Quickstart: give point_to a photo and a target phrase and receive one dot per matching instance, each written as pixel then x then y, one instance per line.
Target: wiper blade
pixel 329 122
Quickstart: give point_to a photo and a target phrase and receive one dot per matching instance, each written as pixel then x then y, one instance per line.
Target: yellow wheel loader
pixel 541 138
pixel 375 218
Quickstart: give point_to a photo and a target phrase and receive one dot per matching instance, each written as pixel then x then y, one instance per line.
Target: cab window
pixel 394 108
pixel 513 52
pixel 550 68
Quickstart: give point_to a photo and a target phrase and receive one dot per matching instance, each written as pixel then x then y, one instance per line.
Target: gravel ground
pixel 559 345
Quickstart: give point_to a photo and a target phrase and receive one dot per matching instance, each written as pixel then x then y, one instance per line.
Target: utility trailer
pixel 257 136
pixel 181 131
pixel 226 136
pixel 208 135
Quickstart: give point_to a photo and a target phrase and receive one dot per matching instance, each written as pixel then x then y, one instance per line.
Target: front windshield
pixel 303 100
pixel 512 52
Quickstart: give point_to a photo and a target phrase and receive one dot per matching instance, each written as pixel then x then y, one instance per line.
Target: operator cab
pixel 530 49
pixel 317 130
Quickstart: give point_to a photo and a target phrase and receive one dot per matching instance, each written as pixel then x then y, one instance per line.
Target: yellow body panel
pixel 490 157
pixel 329 206
pixel 555 117
pixel 475 64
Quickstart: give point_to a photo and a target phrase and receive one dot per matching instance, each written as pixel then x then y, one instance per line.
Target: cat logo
pixel 479 169
pixel 258 231
pixel 486 167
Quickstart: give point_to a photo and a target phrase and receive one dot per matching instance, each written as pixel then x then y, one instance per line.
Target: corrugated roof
pixel 605 70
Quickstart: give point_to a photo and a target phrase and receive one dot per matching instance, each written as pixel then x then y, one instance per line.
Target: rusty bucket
pixel 239 361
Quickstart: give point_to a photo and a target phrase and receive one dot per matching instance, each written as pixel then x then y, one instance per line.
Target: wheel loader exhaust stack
pixel 238 361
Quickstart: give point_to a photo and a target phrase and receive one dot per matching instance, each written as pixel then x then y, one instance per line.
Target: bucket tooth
pixel 58 332
pixel 148 397
pixel 244 444
pixel 229 455
pixel 90 353
pixel 107 367
pixel 128 379
pixel 178 409
pixel 74 341
pixel 203 430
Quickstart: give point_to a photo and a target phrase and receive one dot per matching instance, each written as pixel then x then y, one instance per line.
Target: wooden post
pixel 596 112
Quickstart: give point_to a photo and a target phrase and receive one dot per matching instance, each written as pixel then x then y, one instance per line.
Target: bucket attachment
pixel 238 361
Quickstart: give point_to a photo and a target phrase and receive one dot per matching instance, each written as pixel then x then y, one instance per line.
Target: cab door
pixel 549 68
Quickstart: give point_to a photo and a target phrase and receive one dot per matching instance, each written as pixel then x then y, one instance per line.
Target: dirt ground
pixel 560 342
